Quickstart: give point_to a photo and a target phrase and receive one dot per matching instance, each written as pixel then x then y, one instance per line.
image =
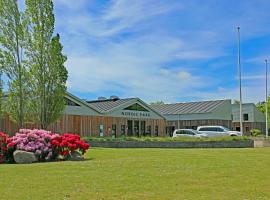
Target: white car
pixel 187 133
pixel 218 131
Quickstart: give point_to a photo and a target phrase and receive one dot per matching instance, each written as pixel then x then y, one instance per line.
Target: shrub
pixel 255 132
pixel 65 144
pixel 3 146
pixel 36 141
pixel 45 145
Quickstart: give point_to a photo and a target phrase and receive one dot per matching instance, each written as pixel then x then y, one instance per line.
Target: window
pixel 143 128
pixel 219 130
pixel 180 132
pixel 136 107
pixel 208 129
pixel 245 116
pixel 101 130
pixel 149 130
pixel 215 129
pixel 130 127
pixel 114 129
pixel 68 102
pixel 156 130
pixel 189 132
pixel 169 130
pixel 123 130
pixel 247 129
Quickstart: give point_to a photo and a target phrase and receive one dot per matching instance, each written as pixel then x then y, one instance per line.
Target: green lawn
pixel 144 174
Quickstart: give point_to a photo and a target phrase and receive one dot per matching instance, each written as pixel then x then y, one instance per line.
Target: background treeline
pixel 32 62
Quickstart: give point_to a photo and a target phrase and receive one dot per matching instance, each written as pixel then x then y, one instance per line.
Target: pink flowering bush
pixel 36 141
pixel 45 145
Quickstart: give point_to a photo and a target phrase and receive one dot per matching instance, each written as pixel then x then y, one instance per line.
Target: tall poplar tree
pixel 56 83
pixel 12 54
pixel 1 88
pixel 48 74
pixel 1 93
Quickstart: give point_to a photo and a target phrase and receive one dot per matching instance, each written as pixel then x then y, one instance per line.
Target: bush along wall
pixel 29 146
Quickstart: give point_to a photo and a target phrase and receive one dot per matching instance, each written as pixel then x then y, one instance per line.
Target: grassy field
pixel 144 174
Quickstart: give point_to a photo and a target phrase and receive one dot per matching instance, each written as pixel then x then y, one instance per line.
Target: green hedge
pixel 164 139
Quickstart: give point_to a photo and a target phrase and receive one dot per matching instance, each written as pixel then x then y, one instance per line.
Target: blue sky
pixel 166 50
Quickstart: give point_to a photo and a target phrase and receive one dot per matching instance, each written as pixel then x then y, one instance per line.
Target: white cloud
pixel 132 71
pixel 102 60
pixel 184 75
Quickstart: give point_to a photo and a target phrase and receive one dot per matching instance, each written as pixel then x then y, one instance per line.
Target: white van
pixel 217 131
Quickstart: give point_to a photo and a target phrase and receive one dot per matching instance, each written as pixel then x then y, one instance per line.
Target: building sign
pixel 135 114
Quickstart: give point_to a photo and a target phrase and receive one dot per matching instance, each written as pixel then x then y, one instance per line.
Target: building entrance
pixel 136 128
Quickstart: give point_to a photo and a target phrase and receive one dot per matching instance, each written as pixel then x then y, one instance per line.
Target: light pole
pixel 240 81
pixel 266 101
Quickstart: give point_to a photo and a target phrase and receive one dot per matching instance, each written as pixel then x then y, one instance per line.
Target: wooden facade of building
pixel 90 126
pixel 247 126
pixel 110 117
pixel 133 117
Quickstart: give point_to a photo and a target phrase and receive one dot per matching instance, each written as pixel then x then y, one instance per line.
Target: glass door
pixel 136 128
pixel 143 128
pixel 130 127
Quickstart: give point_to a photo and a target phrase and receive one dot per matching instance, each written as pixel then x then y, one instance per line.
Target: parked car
pixel 187 133
pixel 217 131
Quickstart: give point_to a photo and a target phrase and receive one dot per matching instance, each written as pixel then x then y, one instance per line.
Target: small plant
pixel 255 132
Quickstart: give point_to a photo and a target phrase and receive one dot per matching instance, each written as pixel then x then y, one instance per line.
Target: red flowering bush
pixel 6 150
pixel 3 146
pixel 67 143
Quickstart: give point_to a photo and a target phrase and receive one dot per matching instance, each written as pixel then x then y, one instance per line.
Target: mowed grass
pixel 144 174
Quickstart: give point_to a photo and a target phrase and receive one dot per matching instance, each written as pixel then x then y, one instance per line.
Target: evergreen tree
pixel 12 56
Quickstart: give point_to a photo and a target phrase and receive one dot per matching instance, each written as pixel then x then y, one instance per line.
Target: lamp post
pixel 240 81
pixel 266 101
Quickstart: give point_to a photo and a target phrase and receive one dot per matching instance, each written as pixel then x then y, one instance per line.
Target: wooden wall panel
pixel 85 125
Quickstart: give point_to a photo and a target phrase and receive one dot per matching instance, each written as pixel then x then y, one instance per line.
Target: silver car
pixel 217 131
pixel 187 133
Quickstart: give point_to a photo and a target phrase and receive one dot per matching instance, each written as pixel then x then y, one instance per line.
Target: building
pixel 194 114
pixel 103 117
pixel 252 118
pixel 134 117
pixel 220 112
pixel 112 117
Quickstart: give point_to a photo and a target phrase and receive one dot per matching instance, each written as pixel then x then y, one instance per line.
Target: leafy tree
pixel 157 103
pixel 237 102
pixel 12 58
pixel 56 84
pixel 1 92
pixel 48 74
pixel 261 107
